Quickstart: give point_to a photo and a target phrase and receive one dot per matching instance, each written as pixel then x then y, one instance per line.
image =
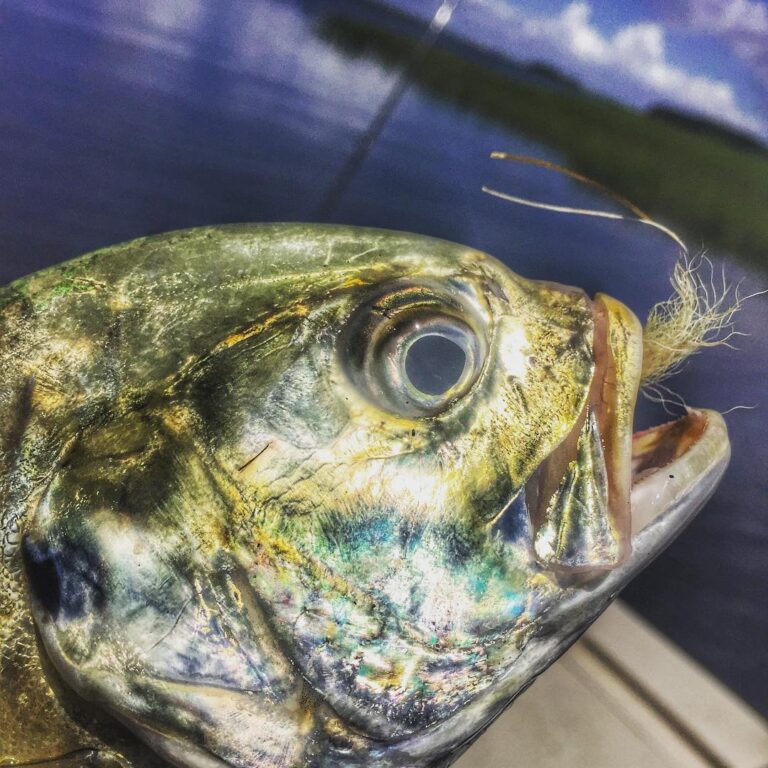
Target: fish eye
pixel 429 364
pixel 414 352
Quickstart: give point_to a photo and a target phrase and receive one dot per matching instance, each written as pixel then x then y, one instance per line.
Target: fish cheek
pixel 260 393
pixel 540 396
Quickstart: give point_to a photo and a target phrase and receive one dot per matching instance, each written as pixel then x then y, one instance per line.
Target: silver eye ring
pixel 415 351
pixel 431 363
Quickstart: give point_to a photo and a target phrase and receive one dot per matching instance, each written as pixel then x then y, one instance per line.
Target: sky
pixel 708 57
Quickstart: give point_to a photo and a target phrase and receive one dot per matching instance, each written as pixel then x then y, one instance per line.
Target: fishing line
pixel 381 118
pixel 638 215
pixel 698 314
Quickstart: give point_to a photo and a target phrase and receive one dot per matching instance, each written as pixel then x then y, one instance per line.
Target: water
pixel 121 119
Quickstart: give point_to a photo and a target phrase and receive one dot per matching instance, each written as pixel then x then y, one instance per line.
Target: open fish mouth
pixel 670 460
pixel 680 459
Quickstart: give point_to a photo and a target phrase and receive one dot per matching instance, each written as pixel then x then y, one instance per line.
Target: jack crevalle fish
pixel 297 496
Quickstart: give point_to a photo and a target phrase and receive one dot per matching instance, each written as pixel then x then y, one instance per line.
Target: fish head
pixel 388 484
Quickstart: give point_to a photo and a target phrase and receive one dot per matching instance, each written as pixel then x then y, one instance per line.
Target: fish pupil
pixel 434 363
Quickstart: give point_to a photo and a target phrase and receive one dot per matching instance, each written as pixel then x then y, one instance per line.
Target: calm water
pixel 119 120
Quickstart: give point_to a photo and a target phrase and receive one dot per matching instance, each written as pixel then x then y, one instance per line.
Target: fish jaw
pixel 671 483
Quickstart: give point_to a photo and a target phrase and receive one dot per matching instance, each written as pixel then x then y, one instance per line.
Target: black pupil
pixel 434 364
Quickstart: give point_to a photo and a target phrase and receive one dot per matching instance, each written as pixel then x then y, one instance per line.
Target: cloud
pixel 277 40
pixel 742 24
pixel 729 16
pixel 632 63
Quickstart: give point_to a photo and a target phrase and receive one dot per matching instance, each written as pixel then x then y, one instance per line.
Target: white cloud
pixel 730 16
pixel 742 24
pixel 278 41
pixel 632 63
pixel 269 39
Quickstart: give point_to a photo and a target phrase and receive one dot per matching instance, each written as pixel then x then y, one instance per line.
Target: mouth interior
pixel 658 447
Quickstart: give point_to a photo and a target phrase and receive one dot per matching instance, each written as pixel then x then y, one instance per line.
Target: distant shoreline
pixel 709 183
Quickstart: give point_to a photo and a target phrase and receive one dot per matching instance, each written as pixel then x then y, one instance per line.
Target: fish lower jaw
pixel 675 460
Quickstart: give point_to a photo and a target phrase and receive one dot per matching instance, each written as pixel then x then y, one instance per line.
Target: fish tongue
pixel 580 498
